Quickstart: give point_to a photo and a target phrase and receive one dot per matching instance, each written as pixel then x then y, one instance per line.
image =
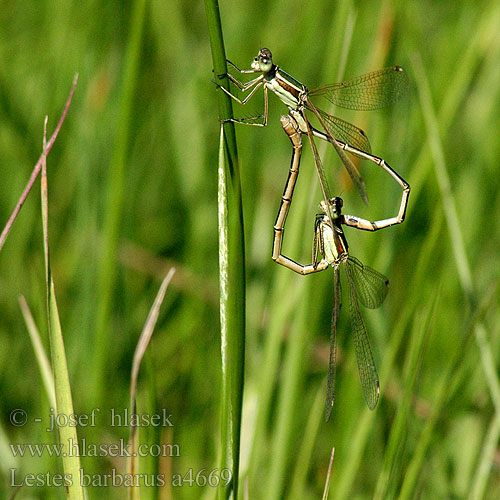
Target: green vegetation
pixel 132 191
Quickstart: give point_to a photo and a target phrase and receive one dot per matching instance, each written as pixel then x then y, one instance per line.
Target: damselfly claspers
pixel 367 92
pixel 365 284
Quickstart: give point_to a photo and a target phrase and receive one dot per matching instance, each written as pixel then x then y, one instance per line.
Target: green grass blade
pixel 41 356
pixel 433 136
pixel 64 405
pixel 316 417
pixel 328 476
pixel 115 201
pixel 225 409
pixel 140 350
pixel 232 275
pixel 486 460
pixel 219 72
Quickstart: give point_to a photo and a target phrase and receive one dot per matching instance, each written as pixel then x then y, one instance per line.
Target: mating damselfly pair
pixel 371 91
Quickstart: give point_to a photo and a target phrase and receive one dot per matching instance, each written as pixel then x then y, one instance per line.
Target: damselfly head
pixel 335 204
pixel 263 62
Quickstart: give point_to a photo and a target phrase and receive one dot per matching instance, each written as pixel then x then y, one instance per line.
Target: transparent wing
pixel 348 164
pixel 330 386
pixel 325 188
pixel 366 92
pixel 346 132
pixel 317 242
pixel 366 365
pixel 371 286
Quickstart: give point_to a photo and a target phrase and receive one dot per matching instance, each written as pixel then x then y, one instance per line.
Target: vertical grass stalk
pixel 232 267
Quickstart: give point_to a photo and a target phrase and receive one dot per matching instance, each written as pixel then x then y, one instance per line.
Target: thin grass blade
pixel 40 354
pixel 38 167
pixel 64 405
pixel 307 446
pixel 328 476
pixel 140 350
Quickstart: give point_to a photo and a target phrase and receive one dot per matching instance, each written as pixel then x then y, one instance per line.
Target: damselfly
pixel 365 284
pixel 367 92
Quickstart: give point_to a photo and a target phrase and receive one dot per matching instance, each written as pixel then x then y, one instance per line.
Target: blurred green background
pixel 435 431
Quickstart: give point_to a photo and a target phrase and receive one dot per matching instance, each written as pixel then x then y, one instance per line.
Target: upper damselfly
pixel 367 92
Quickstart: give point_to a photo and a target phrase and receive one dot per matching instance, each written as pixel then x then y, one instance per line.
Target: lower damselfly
pixel 366 286
pixel 367 92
